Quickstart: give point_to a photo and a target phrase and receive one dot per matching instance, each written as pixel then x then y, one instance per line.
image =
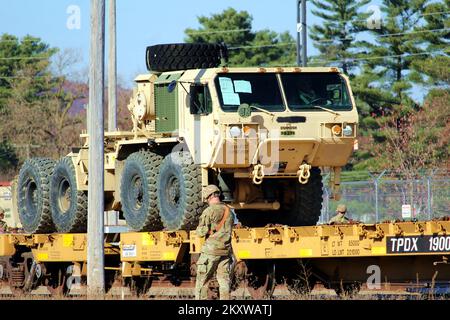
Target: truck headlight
pixel 348 131
pixel 336 129
pixel 249 132
pixel 235 132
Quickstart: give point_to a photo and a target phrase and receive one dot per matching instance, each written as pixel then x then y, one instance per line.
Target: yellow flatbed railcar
pixel 341 257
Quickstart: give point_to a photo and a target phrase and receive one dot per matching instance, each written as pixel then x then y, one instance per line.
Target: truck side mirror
pixel 171 86
pixel 200 100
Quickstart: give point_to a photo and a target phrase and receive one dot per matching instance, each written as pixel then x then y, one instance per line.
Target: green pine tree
pixel 28 58
pixel 434 71
pixel 387 79
pixel 246 47
pixel 18 55
pixel 35 102
pixel 388 75
pixel 406 51
pixel 335 38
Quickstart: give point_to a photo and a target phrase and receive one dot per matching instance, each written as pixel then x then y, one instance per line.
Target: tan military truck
pixel 8 204
pixel 261 134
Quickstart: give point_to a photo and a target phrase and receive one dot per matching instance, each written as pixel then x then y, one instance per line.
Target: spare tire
pixel 68 205
pixel 138 191
pixel 183 56
pixel 179 192
pixel 33 195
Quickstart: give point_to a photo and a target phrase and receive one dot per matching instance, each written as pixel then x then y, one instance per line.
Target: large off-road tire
pixel 33 190
pixel 68 205
pixel 179 192
pixel 181 56
pixel 307 205
pixel 138 191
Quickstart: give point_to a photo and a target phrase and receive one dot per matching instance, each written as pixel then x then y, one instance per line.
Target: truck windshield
pixel 306 90
pixel 258 89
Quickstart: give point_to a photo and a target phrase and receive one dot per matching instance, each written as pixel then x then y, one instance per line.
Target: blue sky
pixel 139 23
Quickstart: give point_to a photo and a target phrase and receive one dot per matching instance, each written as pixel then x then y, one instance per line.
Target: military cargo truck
pixel 9 204
pixel 262 134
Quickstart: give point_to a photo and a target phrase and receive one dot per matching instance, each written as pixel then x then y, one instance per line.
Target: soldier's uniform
pixel 216 223
pixel 3 225
pixel 340 216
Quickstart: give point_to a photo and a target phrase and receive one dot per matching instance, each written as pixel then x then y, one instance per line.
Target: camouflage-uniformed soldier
pixel 340 215
pixel 3 225
pixel 216 223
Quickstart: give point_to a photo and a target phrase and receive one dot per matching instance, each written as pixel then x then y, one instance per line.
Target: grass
pixel 389 292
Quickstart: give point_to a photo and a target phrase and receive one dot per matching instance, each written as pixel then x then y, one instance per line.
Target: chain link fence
pixel 381 198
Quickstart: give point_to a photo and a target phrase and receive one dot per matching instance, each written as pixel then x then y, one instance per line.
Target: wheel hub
pixel 137 192
pixel 64 196
pixel 173 191
pixel 31 194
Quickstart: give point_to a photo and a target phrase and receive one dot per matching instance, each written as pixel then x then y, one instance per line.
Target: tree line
pixel 43 102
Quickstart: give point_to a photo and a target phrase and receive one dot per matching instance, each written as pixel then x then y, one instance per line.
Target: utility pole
pixel 112 68
pixel 304 57
pixel 95 258
pixel 301 33
pixel 299 29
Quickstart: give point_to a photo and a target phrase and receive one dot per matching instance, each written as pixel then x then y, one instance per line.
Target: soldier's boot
pixel 224 294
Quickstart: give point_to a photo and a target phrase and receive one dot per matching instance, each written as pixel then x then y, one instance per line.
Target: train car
pixel 339 257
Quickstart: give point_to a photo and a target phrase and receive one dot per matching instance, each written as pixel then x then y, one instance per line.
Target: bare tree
pixel 38 119
pixel 415 142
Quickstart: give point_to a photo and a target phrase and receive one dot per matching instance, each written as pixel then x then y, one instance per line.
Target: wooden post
pixel 304 32
pixel 112 68
pixel 299 59
pixel 95 258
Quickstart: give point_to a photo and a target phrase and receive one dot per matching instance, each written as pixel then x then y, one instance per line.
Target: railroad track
pixel 164 290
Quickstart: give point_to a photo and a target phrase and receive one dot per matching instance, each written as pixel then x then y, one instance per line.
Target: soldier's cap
pixel 209 190
pixel 341 208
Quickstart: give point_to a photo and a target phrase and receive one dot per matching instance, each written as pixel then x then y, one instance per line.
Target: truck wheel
pixel 307 206
pixel 68 205
pixel 180 56
pixel 179 192
pixel 33 191
pixel 138 191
